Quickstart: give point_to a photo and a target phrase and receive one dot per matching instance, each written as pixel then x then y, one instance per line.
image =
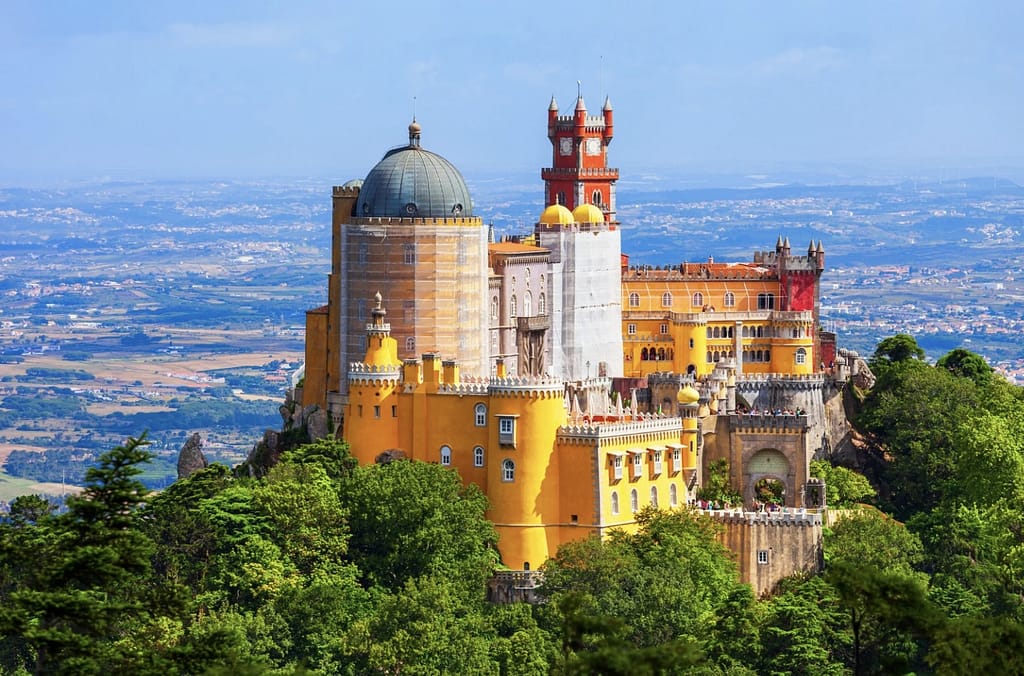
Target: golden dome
pixel 687 395
pixel 587 213
pixel 556 214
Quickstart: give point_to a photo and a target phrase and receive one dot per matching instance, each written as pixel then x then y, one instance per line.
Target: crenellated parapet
pixel 763 423
pixel 526 386
pixel 783 517
pixel 464 387
pixel 361 372
pixel 750 382
pixel 643 429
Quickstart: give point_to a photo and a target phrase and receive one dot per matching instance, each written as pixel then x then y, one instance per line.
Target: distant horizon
pixel 187 89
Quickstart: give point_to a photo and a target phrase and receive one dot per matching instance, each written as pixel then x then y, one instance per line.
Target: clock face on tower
pixel 565 146
pixel 593 146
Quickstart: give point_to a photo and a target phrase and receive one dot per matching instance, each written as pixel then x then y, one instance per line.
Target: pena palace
pixel 572 385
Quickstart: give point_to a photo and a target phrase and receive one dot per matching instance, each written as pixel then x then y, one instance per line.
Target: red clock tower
pixel 580 173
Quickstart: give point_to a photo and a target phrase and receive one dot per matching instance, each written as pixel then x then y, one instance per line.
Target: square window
pixel 631 329
pixel 762 557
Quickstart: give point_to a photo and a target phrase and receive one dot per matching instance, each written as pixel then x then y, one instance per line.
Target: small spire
pixel 414 133
pixel 810 248
pixel 607 103
pixel 579 97
pixel 820 249
pixel 778 242
pixel 553 106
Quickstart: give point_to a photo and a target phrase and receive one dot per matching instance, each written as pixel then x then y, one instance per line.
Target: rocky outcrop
pixel 299 425
pixel 191 458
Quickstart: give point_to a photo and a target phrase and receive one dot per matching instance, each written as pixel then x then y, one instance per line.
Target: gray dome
pixel 413 183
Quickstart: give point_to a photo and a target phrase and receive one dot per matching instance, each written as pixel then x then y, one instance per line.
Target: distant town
pixel 178 307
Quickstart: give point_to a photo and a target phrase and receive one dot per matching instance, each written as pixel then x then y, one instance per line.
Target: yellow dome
pixel 587 213
pixel 556 214
pixel 687 395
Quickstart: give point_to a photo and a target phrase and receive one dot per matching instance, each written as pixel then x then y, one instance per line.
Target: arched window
pixel 729 332
pixel 697 300
pixel 634 501
pixel 615 502
pixel 746 332
pixel 446 455
pixel 478 456
pixel 410 344
pixel 673 495
pixel 528 305
pixel 709 331
pixel 480 415
pixel 596 197
pixel 512 308
pixel 716 333
pixel 767 355
pixel 801 356
pixel 765 301
pixel 560 198
pixel 643 354
pixel 710 359
pixel 730 299
pixel 796 332
pixel 409 254
pixel 666 299
pixel 634 300
pixel 661 353
pixel 542 305
pixel 508 471
pixel 494 308
pixel 654 497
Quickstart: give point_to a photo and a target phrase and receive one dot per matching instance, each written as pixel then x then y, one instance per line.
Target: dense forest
pixel 321 566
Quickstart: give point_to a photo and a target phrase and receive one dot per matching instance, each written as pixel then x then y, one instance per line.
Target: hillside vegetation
pixel 321 566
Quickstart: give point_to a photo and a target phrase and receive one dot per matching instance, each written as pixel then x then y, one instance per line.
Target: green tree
pixel 886 609
pixel 870 538
pixel 804 631
pixel 966 364
pixel 895 349
pixel 664 582
pixel 410 519
pixel 85 587
pixel 717 487
pixel 845 487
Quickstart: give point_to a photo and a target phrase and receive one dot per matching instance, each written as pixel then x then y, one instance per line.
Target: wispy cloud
pixel 229 35
pixel 799 61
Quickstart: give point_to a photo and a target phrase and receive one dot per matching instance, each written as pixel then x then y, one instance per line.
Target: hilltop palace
pixel 571 387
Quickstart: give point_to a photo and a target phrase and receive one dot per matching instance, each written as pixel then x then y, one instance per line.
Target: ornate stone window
pixel 478 456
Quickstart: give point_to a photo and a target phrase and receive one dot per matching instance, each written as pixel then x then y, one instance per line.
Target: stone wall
pixel 770 546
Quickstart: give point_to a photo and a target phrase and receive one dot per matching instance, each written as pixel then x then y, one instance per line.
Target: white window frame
pixel 478 456
pixel 673 496
pixel 615 502
pixel 637 464
pixel 666 299
pixel 677 459
pixel 634 299
pixel 617 466
pixel 634 501
pixel 480 415
pixel 654 497
pixel 657 461
pixel 631 329
pixel 762 557
pixel 508 470
pixel 801 355
pixel 697 300
pixel 730 299
pixel 446 455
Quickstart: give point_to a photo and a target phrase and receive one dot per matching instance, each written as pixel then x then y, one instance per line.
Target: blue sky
pixel 274 89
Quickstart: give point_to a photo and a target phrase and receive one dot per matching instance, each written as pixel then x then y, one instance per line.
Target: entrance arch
pixel 771 465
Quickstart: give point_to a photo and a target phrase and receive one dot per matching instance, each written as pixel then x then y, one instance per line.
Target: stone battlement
pixel 769 423
pixel 785 517
pixel 591 431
